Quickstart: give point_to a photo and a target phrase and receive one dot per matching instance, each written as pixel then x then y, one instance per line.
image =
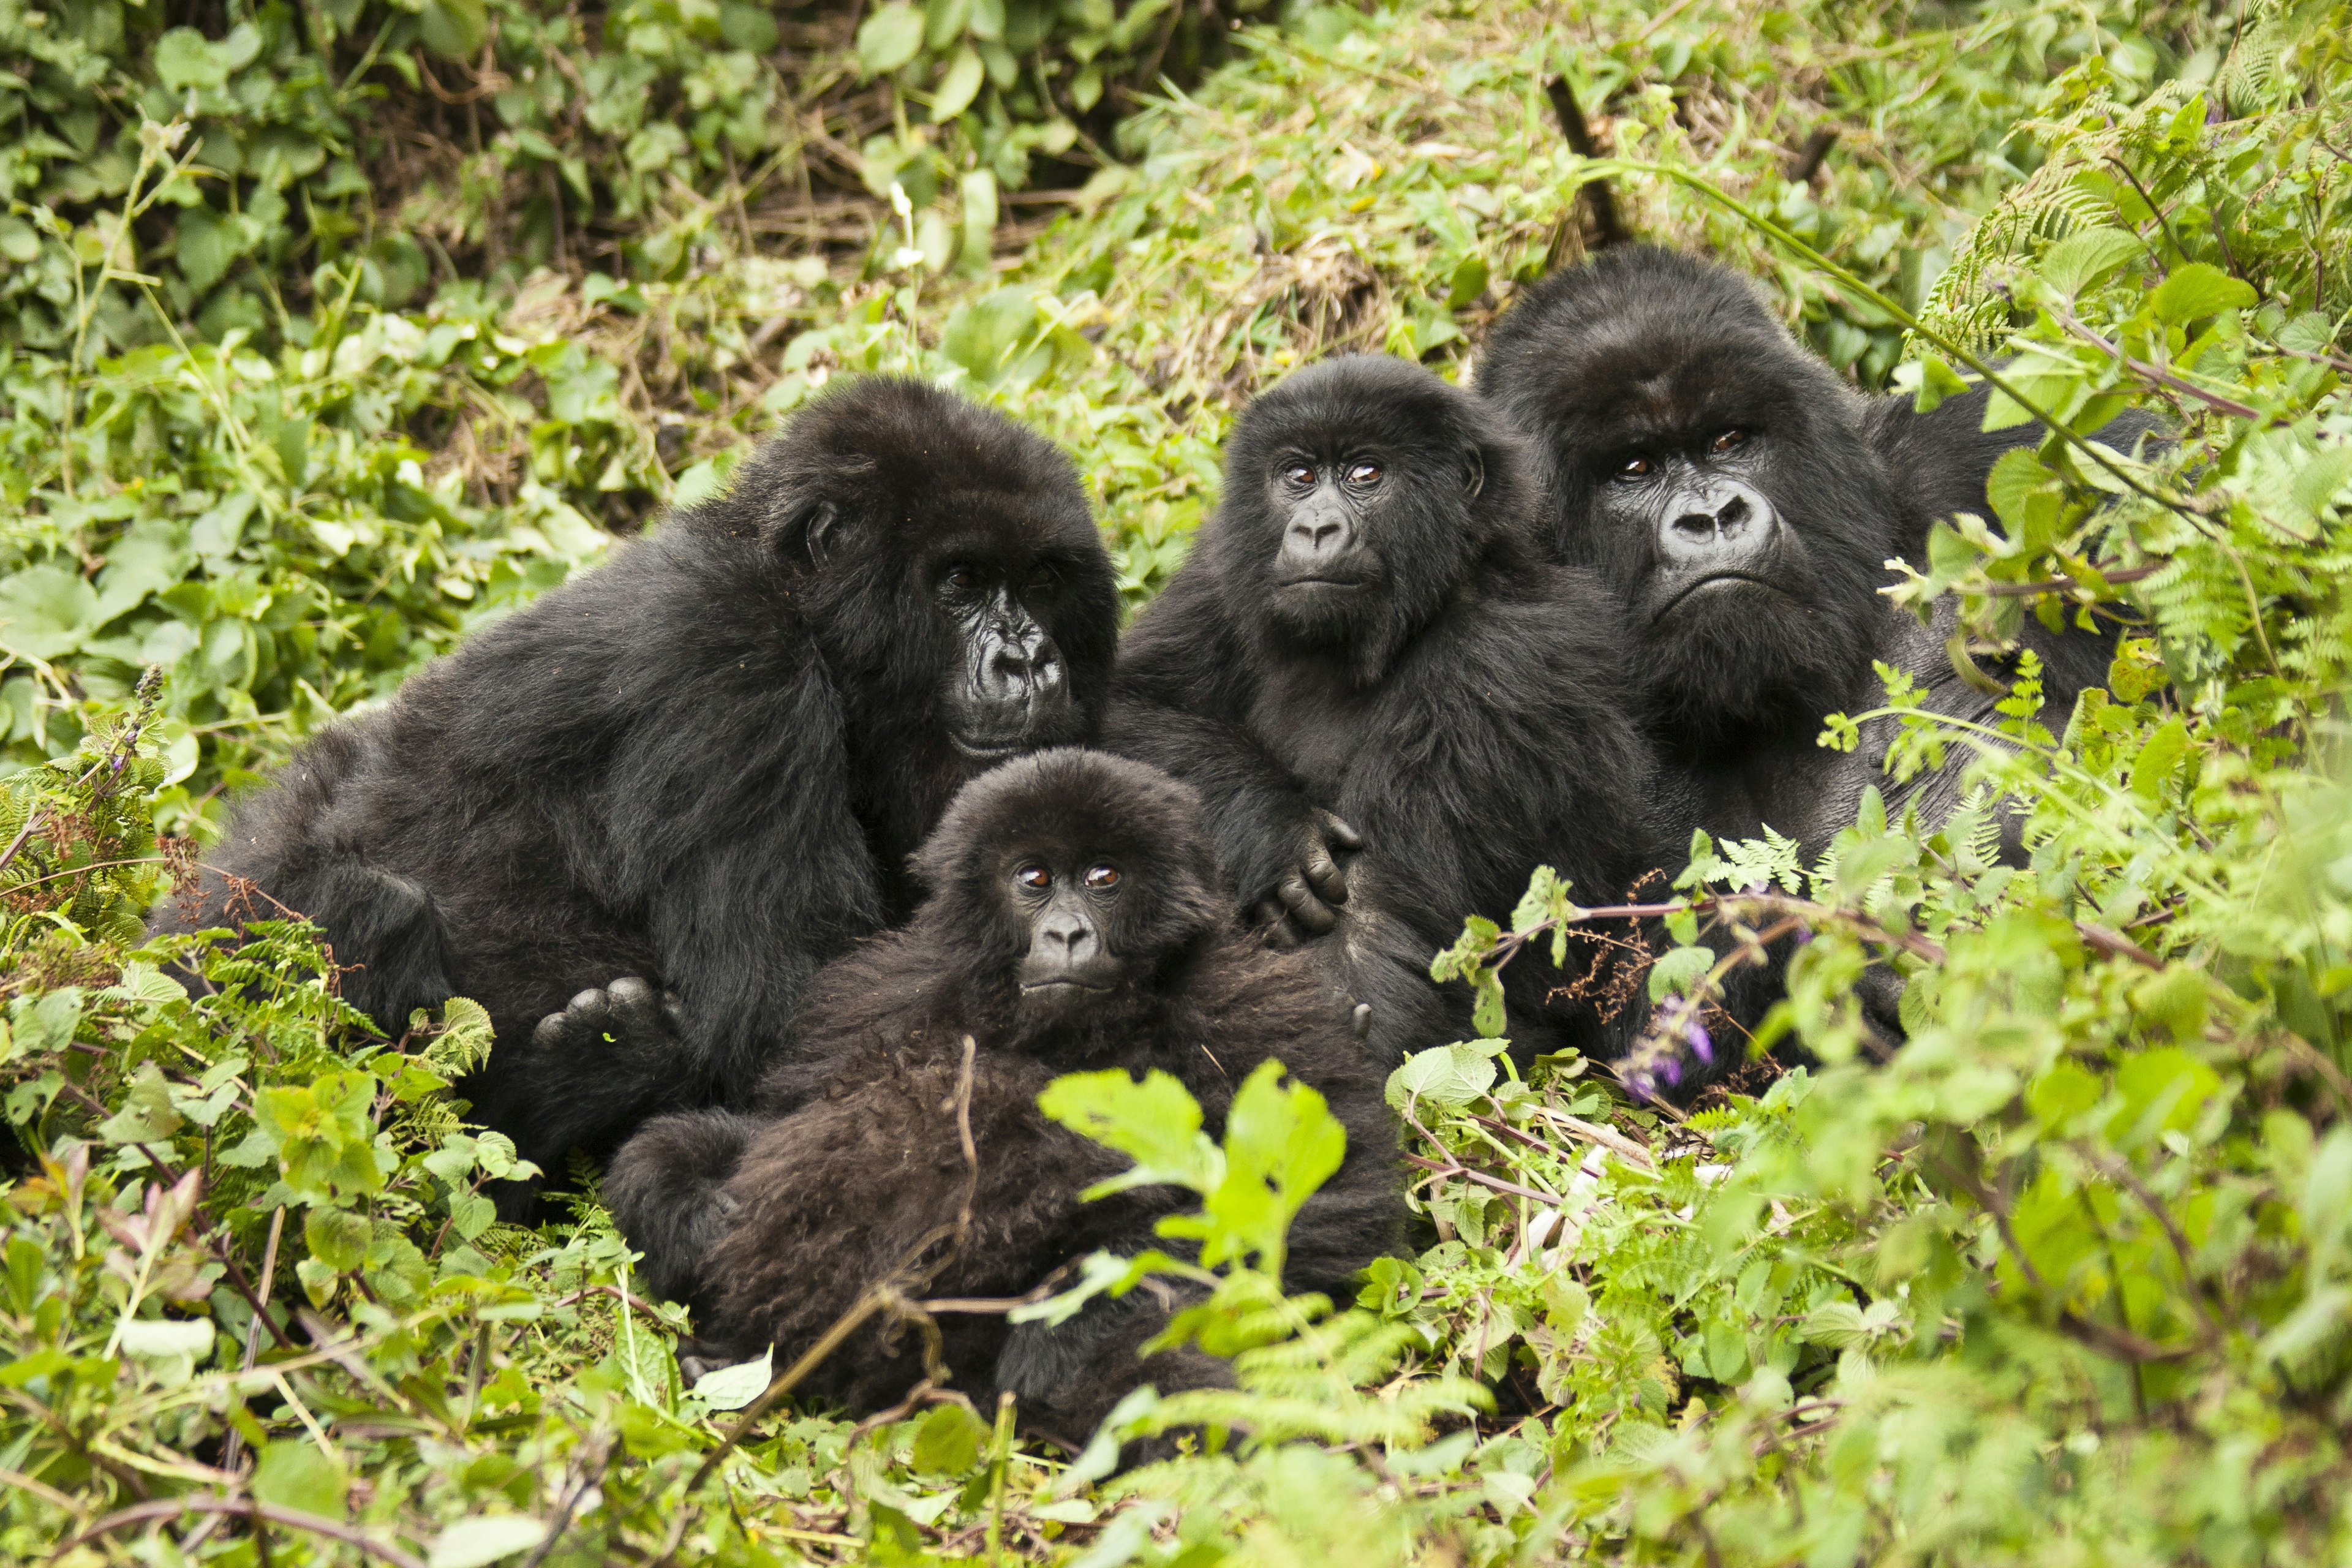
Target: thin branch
pixel 167 1508
pixel 2157 373
pixel 1457 1169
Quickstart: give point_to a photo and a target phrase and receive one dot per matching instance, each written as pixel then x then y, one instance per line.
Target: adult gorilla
pixel 704 764
pixel 1743 501
pixel 1368 640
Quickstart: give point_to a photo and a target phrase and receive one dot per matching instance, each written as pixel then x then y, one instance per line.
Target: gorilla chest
pixel 1317 727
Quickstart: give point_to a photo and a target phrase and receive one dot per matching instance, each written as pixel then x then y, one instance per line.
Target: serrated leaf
pixel 1678 971
pixel 2084 257
pixel 1155 1122
pixel 948 1439
pixel 2198 290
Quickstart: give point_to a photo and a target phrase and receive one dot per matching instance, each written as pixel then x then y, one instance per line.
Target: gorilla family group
pixel 740 836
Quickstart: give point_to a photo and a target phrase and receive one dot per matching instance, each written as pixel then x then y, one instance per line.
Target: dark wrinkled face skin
pixel 1074 879
pixel 1348 508
pixel 1717 475
pixel 1009 692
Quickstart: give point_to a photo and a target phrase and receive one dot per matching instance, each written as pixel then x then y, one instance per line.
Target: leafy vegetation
pixel 2065 1278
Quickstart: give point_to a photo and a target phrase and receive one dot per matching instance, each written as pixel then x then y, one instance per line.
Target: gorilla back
pixel 705 761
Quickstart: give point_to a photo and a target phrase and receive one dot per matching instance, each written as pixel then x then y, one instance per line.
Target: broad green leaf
pixel 477 1542
pixel 2158 755
pixel 46 612
pixel 185 59
pixel 983 335
pixel 147 1115
pixel 457 28
pixel 1445 1074
pixel 888 38
pixel 1678 971
pixel 1155 1122
pixel 1282 1142
pixel 294 1474
pixel 948 1439
pixel 1938 381
pixel 2198 290
pixel 337 1239
pixel 959 85
pixel 2084 259
pixel 733 1387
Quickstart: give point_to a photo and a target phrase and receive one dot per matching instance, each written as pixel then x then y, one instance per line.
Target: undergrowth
pixel 2065 1280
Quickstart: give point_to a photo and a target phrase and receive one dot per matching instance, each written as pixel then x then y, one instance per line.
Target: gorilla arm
pixel 1179 702
pixel 1511 745
pixel 697 814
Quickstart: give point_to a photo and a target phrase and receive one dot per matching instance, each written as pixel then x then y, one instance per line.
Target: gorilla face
pixel 1715 475
pixel 1075 879
pixel 1348 510
pixel 1009 690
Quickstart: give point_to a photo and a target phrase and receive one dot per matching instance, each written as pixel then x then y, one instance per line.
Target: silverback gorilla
pixel 1368 631
pixel 1743 502
pixel 704 763
pixel 1074 923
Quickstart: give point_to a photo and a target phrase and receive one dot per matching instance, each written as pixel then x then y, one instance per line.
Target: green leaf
pixel 2198 290
pixel 1445 1074
pixel 1282 1142
pixel 888 38
pixel 1938 381
pixel 147 1115
pixel 962 82
pixel 1155 1122
pixel 2082 259
pixel 294 1474
pixel 733 1387
pixel 1678 971
pixel 337 1238
pixel 982 334
pixel 2158 755
pixel 948 1439
pixel 43 1025
pixel 46 612
pixel 476 1542
pixel 185 58
pixel 457 28
pixel 1469 281
pixel 164 1338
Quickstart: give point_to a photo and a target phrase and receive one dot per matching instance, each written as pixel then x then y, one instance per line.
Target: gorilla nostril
pixel 1733 514
pixel 1697 524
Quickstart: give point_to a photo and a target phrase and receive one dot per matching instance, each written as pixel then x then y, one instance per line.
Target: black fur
pixel 1463 709
pixel 704 763
pixel 862 1159
pixel 1650 359
pixel 1646 354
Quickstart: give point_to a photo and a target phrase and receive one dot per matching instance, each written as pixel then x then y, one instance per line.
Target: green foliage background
pixel 328 331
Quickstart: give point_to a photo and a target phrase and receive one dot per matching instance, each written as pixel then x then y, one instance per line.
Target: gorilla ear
pixel 813 531
pixel 1473 471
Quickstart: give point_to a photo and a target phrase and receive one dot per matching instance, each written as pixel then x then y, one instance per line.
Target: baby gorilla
pixel 1074 923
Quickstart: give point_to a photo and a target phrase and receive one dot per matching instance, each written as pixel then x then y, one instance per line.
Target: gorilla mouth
pixel 1335 584
pixel 1064 987
pixel 988 750
pixel 1715 580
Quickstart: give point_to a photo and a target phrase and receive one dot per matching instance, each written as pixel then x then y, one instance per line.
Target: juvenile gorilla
pixel 704 763
pixel 1368 632
pixel 1742 501
pixel 1074 923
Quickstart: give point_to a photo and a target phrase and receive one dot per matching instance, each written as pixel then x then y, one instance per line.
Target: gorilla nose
pixel 1718 527
pixel 1316 538
pixel 1030 667
pixel 1067 938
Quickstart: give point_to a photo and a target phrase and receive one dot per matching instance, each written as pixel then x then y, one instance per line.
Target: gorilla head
pixel 1715 474
pixel 1064 887
pixel 948 562
pixel 1348 512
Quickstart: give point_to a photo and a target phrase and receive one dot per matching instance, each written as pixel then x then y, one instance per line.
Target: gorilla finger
pixel 1362 1021
pixel 1324 875
pixel 551 1032
pixel 1312 914
pixel 636 1008
pixel 1337 831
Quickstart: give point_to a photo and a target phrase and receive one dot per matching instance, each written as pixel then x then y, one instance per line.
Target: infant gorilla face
pixel 1070 904
pixel 1072 880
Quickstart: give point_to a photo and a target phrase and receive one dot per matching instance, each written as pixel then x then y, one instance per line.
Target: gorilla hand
pixel 626 1020
pixel 1305 900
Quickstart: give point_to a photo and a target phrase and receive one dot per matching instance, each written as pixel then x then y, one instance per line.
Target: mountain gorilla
pixel 704 763
pixel 1367 641
pixel 1742 501
pixel 1074 923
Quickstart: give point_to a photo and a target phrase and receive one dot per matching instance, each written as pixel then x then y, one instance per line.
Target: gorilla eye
pixel 1101 877
pixel 1364 474
pixel 1044 580
pixel 964 579
pixel 1299 474
pixel 1728 439
pixel 1035 877
pixel 1633 468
